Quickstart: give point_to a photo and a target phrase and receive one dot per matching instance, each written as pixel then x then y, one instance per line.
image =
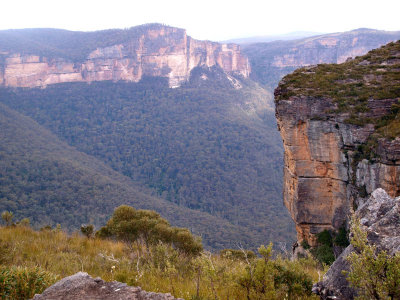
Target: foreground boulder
pixel 380 217
pixel 83 286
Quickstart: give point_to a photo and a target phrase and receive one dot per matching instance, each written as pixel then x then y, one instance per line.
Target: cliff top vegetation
pixel 352 85
pixel 70 45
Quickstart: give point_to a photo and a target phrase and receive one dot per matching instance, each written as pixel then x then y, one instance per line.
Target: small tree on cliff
pixel 375 275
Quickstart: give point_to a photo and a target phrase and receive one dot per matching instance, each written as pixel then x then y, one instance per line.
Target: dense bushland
pixel 48 181
pixel 204 146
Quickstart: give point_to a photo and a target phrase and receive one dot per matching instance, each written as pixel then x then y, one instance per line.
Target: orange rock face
pixel 320 182
pixel 315 172
pixel 340 143
pixel 165 51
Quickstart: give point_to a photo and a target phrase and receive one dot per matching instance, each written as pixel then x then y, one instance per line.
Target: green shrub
pixel 305 245
pixel 324 254
pixel 374 274
pixel 7 217
pixel 23 283
pixel 324 238
pixel 324 251
pixel 341 239
pixel 237 254
pixel 296 283
pixel 146 226
pixel 274 279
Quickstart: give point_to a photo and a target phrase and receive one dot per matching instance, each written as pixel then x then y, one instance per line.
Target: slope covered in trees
pixel 50 182
pixel 205 146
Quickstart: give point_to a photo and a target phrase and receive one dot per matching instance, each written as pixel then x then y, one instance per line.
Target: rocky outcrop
pixel 154 51
pixel 83 286
pixel 380 218
pixel 338 125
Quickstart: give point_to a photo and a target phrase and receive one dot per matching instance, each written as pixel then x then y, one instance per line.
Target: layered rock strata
pixel 336 149
pixel 155 51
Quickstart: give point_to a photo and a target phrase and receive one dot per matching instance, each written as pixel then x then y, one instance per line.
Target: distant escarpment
pixel 270 61
pixel 340 126
pixel 39 57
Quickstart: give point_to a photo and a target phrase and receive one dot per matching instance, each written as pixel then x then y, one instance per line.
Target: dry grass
pixel 160 270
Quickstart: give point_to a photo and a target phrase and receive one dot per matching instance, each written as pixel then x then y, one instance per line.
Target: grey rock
pixel 83 286
pixel 380 217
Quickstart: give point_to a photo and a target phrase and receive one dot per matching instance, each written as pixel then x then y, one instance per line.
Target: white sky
pixel 205 19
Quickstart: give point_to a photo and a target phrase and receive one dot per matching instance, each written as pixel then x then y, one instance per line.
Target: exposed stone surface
pixel 161 51
pixel 380 217
pixel 322 177
pixel 83 286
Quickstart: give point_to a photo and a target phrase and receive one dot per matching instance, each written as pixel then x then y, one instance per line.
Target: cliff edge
pixel 340 125
pixel 37 58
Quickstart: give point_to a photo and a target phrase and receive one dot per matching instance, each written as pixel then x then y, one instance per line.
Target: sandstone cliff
pixel 340 126
pixel 154 50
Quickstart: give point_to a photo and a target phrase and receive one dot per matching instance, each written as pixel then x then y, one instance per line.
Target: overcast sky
pixel 205 19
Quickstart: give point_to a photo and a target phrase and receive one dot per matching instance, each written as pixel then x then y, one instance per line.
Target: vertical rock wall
pixel 321 181
pixel 164 51
pixel 327 170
